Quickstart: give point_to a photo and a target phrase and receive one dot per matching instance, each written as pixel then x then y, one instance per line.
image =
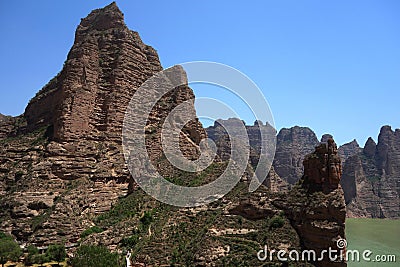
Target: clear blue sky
pixel 333 66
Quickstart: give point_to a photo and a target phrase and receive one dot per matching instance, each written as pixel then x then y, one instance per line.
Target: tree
pixel 9 249
pixel 40 259
pixel 32 252
pixel 94 256
pixel 276 222
pixel 56 253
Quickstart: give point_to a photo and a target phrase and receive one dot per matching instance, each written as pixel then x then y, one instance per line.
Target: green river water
pixel 380 236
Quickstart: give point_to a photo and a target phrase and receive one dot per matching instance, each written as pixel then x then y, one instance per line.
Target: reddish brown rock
pixel 349 149
pixel 323 168
pixel 371 178
pixel 67 144
pixel 291 147
pixel 316 206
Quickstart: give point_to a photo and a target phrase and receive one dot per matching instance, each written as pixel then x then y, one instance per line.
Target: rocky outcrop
pixel 66 148
pixel 371 177
pixel 316 206
pixel 254 133
pixel 275 183
pixel 218 133
pixel 370 174
pixel 6 126
pixel 370 148
pixel 349 149
pixel 11 126
pixel 291 147
pixel 323 168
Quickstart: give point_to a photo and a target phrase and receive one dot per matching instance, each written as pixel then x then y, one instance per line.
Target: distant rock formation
pixel 220 137
pixel 371 177
pixel 291 147
pixel 349 149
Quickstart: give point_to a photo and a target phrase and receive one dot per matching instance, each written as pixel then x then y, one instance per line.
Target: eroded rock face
pixel 67 149
pixel 323 168
pixel 371 177
pixel 369 190
pixel 349 149
pixel 292 145
pixel 255 134
pixel 316 206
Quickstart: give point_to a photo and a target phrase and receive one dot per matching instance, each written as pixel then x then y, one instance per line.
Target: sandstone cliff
pixel 62 171
pixel 61 161
pixel 316 206
pixel 371 177
pixel 292 145
pixel 220 136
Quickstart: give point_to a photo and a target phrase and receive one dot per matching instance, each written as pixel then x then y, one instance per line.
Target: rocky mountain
pixel 319 188
pixel 61 160
pixel 292 145
pixel 349 149
pixel 218 134
pixel 370 175
pixel 63 177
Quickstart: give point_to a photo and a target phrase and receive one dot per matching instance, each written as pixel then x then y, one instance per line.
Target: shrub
pixel 147 218
pixel 91 230
pixel 9 249
pixel 56 253
pixel 130 242
pixel 32 252
pixel 276 222
pixel 94 256
pixel 40 259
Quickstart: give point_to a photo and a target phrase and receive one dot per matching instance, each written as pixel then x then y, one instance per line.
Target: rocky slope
pixel 63 178
pixel 61 162
pixel 317 207
pixel 371 177
pixel 291 147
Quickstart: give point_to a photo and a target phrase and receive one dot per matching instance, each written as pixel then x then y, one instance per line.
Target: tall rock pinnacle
pixel 68 141
pixel 323 168
pixel 104 67
pixel 317 206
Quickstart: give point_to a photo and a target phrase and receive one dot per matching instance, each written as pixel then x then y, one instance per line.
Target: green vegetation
pixel 56 253
pixel 95 256
pixel 147 218
pixel 276 222
pixel 41 259
pixel 32 254
pixel 9 249
pixel 91 230
pixel 373 179
pixel 53 253
pixel 37 221
pixel 125 208
pixel 193 179
pixel 131 241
